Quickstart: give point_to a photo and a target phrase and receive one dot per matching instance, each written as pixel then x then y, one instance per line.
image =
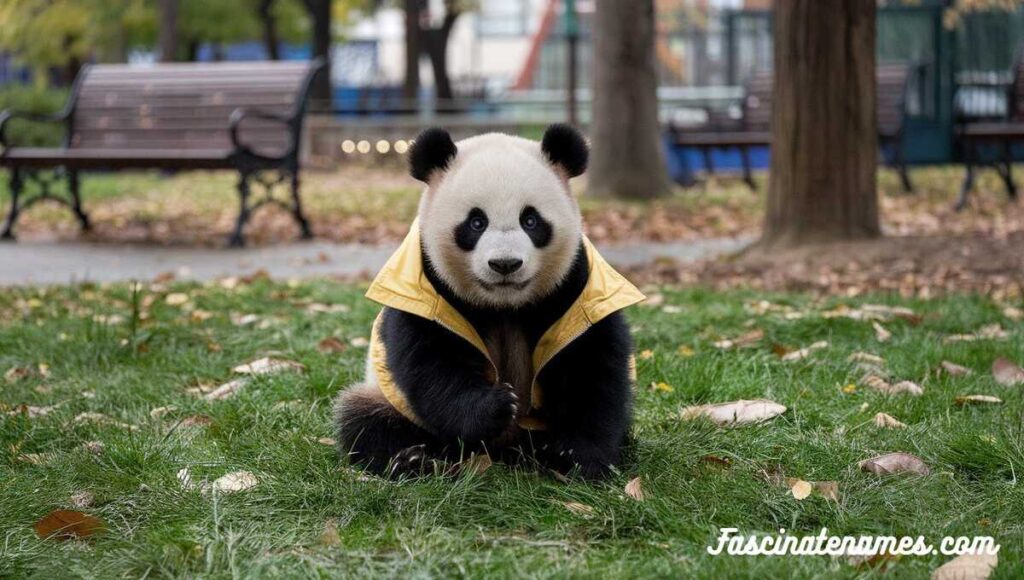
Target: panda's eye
pixel 478 224
pixel 529 221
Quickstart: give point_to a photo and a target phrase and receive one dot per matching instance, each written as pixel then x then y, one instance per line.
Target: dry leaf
pixel 326 441
pixel 827 489
pixel 661 387
pixel 94 447
pixel 892 463
pixel 1007 373
pixel 801 489
pixel 66 525
pixel 82 499
pixel 161 411
pixel 978 400
pixel 330 536
pixel 634 489
pixel 672 309
pixel 268 365
pixel 196 421
pixel 954 370
pixel 645 354
pixel 331 344
pixel 245 319
pixel 886 421
pixel 881 333
pixel 477 464
pixel 15 374
pixel 805 352
pixel 736 412
pixel 227 389
pixel 685 351
pixel 865 357
pixel 654 299
pixel 881 385
pixel 1013 313
pixel 578 508
pixel 176 299
pixel 359 342
pixel 35 458
pixel 234 481
pixel 967 567
pixel 745 340
pixel 185 478
pixel 317 308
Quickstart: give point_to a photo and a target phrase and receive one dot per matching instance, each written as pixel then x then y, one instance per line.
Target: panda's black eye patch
pixel 468 233
pixel 535 226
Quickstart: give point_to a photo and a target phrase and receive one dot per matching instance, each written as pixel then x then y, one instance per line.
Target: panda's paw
pixel 409 462
pixel 505 405
pixel 498 411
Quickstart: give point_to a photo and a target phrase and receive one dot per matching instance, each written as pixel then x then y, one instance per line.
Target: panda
pixel 501 330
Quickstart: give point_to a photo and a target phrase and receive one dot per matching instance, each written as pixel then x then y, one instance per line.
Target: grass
pixel 504 523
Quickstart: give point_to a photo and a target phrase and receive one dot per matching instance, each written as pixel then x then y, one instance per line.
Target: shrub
pixel 33 100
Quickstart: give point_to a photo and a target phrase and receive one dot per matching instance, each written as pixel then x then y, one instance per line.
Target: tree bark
pixel 626 157
pixel 270 38
pixel 320 90
pixel 437 50
pixel 824 134
pixel 411 87
pixel 168 30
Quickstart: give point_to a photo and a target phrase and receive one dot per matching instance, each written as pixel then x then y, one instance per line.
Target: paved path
pixel 59 263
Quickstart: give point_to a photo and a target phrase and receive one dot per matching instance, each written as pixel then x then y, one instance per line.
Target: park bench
pixel 182 116
pixel 990 120
pixel 752 128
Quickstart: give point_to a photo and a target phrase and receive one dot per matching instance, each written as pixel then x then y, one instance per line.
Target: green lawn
pixel 101 358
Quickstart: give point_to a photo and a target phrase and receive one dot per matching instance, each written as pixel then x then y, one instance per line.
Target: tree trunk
pixel 270 39
pixel 626 156
pixel 411 87
pixel 437 49
pixel 168 30
pixel 320 91
pixel 824 134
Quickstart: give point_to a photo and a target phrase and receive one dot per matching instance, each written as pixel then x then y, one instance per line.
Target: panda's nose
pixel 505 266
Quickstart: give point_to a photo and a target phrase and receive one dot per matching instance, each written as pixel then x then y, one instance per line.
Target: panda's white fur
pixel 500 174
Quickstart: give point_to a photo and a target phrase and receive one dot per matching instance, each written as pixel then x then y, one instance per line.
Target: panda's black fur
pixel 587 388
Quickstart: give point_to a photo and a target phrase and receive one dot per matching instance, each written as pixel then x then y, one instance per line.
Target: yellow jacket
pixel 402 285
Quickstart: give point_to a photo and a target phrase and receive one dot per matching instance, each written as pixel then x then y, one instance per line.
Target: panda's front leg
pixel 587 402
pixel 446 381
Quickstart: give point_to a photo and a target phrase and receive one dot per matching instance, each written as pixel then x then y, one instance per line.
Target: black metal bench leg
pixel 76 200
pixel 1006 171
pixel 901 165
pixel 238 237
pixel 968 184
pixel 709 163
pixel 748 176
pixel 16 183
pixel 307 233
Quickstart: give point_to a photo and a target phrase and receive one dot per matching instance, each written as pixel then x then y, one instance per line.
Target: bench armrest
pixel 238 115
pixel 6 116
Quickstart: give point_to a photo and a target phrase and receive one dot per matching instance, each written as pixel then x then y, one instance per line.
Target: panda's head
pixel 499 224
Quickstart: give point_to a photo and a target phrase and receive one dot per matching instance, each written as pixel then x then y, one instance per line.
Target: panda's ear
pixel 432 151
pixel 565 147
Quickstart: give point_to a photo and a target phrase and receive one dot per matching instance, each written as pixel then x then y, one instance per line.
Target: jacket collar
pixel 401 284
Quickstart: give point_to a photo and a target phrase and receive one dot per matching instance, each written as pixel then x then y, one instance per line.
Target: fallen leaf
pixel 1007 372
pixel 881 385
pixel 987 332
pixel 967 567
pixel 268 365
pixel 804 352
pixel 685 351
pixel 801 489
pixel 881 333
pixel 827 489
pixel 736 412
pixel 654 299
pixel 316 308
pixel 234 481
pixel 94 447
pixel 866 357
pixel 35 458
pixel 244 320
pixel 892 463
pixel 477 464
pixel 176 299
pixel 745 340
pixel 578 508
pixel 886 421
pixel 672 309
pixel 66 525
pixel 634 489
pixel 331 344
pixel 326 441
pixel 15 374
pixel 645 354
pixel 1013 313
pixel 185 478
pixel 359 342
pixel 227 389
pixel 330 536
pixel 978 400
pixel 195 421
pixel 82 499
pixel 954 370
pixel 200 315
pixel 849 389
pixel 661 387
pixel 161 411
